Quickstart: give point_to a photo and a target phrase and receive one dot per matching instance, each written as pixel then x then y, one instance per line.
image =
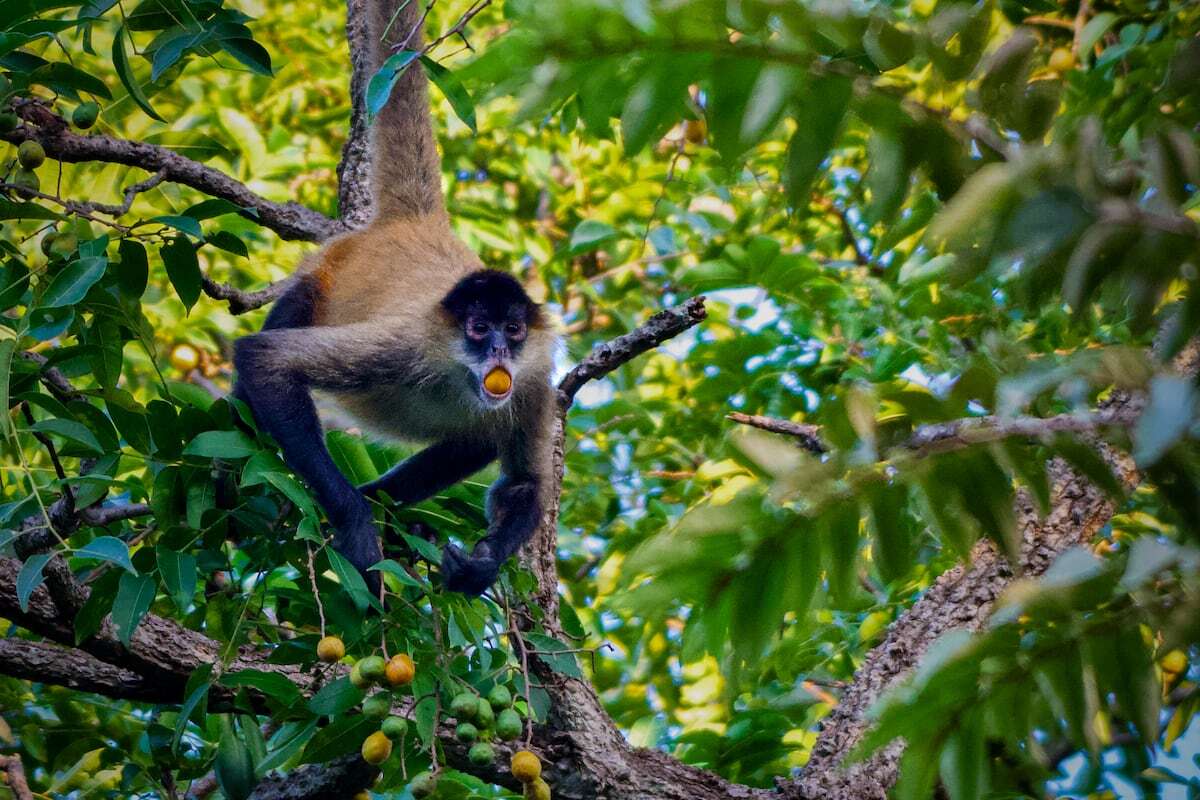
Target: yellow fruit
pixel 537 790
pixel 330 649
pixel 526 767
pixel 363 795
pixel 1174 662
pixel 400 670
pixel 1062 60
pixel 498 381
pixel 184 357
pixel 376 748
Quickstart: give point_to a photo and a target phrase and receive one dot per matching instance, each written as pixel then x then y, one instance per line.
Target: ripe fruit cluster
pixel 394 673
pixel 483 718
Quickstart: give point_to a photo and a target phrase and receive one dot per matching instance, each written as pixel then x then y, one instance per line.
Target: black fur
pixel 283 407
pixel 492 294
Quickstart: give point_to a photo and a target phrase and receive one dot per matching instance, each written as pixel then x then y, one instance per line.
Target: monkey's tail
pixel 405 169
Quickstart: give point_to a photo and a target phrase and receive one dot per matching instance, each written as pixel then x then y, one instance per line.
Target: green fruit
pixel 500 697
pixel 508 725
pixel 484 715
pixel 48 242
pixel 357 678
pixel 423 785
pixel 466 732
pixel 26 179
pixel 464 706
pixel 378 705
pixel 64 244
pixel 31 154
pixel 9 122
pixel 481 754
pixel 374 668
pixel 394 727
pixel 85 115
pixel 5 84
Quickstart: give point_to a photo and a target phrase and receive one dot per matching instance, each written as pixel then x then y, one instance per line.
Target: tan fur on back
pixel 390 269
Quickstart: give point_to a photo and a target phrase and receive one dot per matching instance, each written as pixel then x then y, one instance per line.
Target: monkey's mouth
pixel 497 384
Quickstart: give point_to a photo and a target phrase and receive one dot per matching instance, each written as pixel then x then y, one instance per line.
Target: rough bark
pixel 355 202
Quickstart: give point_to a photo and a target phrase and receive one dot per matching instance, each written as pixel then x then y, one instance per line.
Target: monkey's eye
pixel 514 330
pixel 477 329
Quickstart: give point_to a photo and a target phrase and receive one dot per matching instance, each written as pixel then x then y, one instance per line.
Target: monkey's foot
pixel 470 575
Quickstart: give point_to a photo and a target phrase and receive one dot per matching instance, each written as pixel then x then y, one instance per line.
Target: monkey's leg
pixel 276 370
pixel 431 470
pixel 514 511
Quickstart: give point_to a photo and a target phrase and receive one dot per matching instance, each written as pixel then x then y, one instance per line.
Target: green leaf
pixel 72 284
pixel 120 61
pixel 7 348
pixel 69 80
pixel 590 235
pixel 1166 420
pixel 196 694
pixel 133 270
pixel 426 549
pixel 892 544
pixel 555 654
pixel 135 593
pixel 453 89
pixel 70 430
pixel 343 735
pixel 221 444
pixel 30 577
pixel 250 53
pixel 351 581
pixel 183 269
pixel 272 684
pixel 399 573
pixel 819 115
pixel 178 573
pixel 107 548
pixel 351 457
pixel 379 88
pixel 1095 28
pixel 12 210
pixel 182 223
pixel 335 697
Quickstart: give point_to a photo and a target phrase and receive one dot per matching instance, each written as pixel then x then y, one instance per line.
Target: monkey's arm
pixel 276 370
pixel 433 469
pixel 515 505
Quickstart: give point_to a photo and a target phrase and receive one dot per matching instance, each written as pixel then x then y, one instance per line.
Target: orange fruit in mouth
pixel 498 381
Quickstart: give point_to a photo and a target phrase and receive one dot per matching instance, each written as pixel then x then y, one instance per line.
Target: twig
pixel 240 301
pixel 860 257
pixel 312 577
pixel 610 355
pixel 53 377
pixel 71 207
pixel 808 435
pixel 16 777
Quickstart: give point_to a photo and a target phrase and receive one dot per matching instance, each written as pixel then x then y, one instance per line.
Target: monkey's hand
pixel 359 544
pixel 469 574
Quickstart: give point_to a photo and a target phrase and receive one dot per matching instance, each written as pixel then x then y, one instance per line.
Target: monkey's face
pixel 494 315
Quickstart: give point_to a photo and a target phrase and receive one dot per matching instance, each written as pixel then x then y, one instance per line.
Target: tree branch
pixel 809 435
pixel 289 220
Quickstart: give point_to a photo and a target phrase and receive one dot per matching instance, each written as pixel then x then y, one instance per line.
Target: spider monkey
pixel 403 327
